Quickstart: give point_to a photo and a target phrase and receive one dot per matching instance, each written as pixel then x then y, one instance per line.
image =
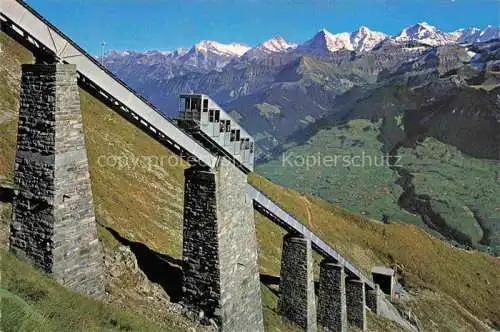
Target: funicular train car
pixel 203 118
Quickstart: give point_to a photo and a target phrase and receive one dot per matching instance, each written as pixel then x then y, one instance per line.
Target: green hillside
pixel 140 208
pixel 427 265
pixel 440 181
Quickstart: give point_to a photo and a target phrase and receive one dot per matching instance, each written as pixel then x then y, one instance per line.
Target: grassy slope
pixel 143 205
pixel 16 275
pixel 41 304
pixel 458 184
pixel 11 55
pixel 425 262
pixel 140 201
pixel 376 195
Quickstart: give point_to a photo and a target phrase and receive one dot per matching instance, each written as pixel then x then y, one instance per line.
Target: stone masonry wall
pixel 373 298
pixel 53 223
pixel 332 308
pixel 201 271
pixel 355 297
pixel 297 301
pixel 221 273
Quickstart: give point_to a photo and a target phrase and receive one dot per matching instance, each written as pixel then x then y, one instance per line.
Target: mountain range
pixel 423 95
pixel 210 55
pixel 327 65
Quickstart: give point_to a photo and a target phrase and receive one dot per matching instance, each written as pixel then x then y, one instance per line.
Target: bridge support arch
pixel 53 223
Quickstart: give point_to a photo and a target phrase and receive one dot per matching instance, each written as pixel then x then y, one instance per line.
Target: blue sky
pixel 169 24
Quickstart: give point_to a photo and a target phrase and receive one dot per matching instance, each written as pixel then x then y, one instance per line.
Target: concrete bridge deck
pixel 22 22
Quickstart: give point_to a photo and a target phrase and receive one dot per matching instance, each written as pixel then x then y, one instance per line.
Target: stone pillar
pixel 332 308
pixel 297 302
pixel 53 223
pixel 373 298
pixel 355 296
pixel 221 272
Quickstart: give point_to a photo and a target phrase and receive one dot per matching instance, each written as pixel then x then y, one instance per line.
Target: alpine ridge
pixel 417 83
pixel 361 40
pixel 274 45
pixel 208 54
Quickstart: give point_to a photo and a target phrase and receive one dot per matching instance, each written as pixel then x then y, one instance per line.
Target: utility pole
pixel 103 45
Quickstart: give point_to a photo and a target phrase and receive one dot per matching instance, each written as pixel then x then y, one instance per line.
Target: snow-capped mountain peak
pixel 363 39
pixel 476 35
pixel 335 42
pixel 417 31
pixel 426 26
pixel 489 33
pixel 276 44
pixel 426 34
pixel 211 55
pixel 324 42
pixel 233 49
pixel 430 35
pixel 180 52
pixel 116 53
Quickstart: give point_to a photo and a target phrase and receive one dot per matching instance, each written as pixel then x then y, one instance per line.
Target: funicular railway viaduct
pixel 54 224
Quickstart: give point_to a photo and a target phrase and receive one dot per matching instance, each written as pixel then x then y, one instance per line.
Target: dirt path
pixel 308 209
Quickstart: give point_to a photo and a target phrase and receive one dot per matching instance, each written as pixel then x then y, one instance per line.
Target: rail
pixel 265 205
pixel 39 31
pixel 30 25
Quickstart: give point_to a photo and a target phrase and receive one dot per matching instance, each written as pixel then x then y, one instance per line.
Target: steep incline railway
pixel 24 24
pixel 48 42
